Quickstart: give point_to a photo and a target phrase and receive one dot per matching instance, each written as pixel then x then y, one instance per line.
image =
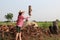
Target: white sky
pixel 42 10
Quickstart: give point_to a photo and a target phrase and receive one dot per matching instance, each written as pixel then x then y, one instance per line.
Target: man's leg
pixel 20 36
pixel 17 36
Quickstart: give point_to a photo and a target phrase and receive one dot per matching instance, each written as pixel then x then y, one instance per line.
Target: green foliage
pixel 44 24
pixel 9 16
pixel 40 24
pixel 8 23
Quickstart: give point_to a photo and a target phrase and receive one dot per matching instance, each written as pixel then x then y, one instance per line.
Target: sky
pixel 42 10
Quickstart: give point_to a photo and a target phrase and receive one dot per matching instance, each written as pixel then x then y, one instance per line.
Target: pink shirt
pixel 20 20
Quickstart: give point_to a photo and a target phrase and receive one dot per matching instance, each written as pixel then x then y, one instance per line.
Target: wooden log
pixel 29 10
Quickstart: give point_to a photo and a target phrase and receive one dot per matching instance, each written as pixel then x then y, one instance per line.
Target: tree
pixel 9 16
pixel 57 20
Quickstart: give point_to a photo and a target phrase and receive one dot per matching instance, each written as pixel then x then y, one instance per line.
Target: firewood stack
pixel 31 33
pixel 28 33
